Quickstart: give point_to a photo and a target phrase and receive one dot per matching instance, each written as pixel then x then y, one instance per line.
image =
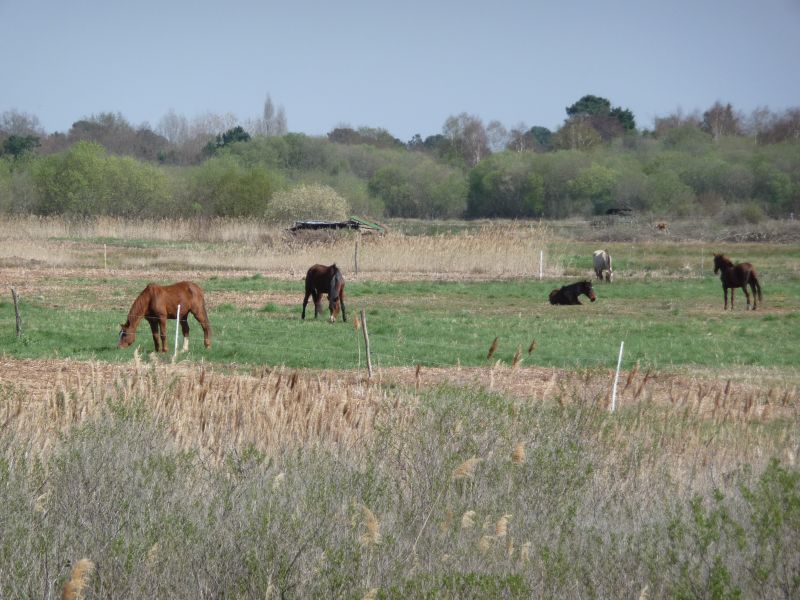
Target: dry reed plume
pixel 75 587
pixel 518 454
pixel 466 470
pixel 372 535
pixel 468 520
pixel 501 528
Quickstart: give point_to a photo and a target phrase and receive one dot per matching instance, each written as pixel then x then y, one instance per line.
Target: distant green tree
pixel 222 186
pixel 542 136
pixel 19 145
pixel 85 180
pixel 589 105
pixel 625 118
pixel 391 185
pixel 505 185
pixel 609 122
pixel 232 136
pixel 576 134
pixel 380 138
pixel 597 184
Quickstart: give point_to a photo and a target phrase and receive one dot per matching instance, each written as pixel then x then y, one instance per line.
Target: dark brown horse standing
pixel 739 275
pixel 568 294
pixel 325 280
pixel 158 303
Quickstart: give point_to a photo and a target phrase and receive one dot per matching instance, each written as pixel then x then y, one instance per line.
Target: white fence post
pixel 616 379
pixel 177 328
pixel 541 264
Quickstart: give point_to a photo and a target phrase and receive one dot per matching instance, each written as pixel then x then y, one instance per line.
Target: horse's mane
pixel 139 306
pixel 336 277
pixel 723 260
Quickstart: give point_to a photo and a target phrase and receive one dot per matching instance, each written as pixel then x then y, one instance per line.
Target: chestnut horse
pixel 158 303
pixel 568 294
pixel 739 275
pixel 325 280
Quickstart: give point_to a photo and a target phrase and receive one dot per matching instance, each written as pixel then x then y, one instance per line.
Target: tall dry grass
pixel 203 410
pixel 499 250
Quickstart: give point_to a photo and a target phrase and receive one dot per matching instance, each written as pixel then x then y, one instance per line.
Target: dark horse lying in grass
pixel 568 294
pixel 325 280
pixel 158 303
pixel 739 275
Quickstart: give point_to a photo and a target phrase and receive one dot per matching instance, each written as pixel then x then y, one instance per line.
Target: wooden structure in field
pixel 351 223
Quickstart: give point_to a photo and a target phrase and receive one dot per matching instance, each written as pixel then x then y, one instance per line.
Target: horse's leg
pixel 205 324
pixel 746 295
pixel 725 295
pixel 154 329
pixel 185 331
pixel 163 325
pixel 305 302
pixel 317 298
pixel 341 301
pixel 755 294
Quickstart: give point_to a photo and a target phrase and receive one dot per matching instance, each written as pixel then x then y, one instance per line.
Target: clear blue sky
pixel 401 65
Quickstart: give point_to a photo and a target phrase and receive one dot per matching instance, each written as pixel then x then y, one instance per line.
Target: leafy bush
pixel 311 201
pixel 86 180
pixel 222 186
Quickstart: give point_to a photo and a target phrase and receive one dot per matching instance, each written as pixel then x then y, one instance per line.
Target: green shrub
pixel 312 201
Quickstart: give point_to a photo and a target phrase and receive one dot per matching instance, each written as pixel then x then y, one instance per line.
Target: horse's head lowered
pixel 334 300
pixel 127 335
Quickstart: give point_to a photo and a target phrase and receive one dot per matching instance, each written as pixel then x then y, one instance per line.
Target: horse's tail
pixel 756 285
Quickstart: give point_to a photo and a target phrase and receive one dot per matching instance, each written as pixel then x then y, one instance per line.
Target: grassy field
pixel 270 466
pixel 665 323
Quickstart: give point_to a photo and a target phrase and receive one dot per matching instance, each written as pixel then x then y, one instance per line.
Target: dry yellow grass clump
pixel 75 587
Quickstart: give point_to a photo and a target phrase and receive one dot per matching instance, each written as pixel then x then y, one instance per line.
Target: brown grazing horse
pixel 325 280
pixel 568 294
pixel 158 303
pixel 739 275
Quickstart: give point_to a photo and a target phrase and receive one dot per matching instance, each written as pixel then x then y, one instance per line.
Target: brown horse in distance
pixel 158 303
pixel 739 275
pixel 325 280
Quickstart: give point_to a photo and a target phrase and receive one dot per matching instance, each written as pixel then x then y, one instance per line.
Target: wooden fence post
pixel 366 341
pixel 16 311
pixel 358 239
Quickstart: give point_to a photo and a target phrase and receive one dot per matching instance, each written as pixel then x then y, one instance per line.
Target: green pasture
pixel 665 324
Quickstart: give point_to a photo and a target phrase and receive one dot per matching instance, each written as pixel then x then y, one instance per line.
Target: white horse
pixel 602 266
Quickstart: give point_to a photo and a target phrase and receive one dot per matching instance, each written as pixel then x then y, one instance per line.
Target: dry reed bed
pixel 202 409
pixel 494 250
pixel 215 411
